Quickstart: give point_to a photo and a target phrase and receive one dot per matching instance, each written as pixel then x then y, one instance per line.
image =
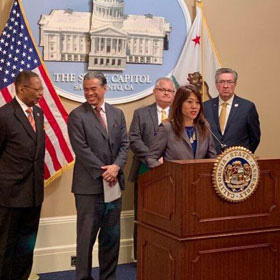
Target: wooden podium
pixel 186 231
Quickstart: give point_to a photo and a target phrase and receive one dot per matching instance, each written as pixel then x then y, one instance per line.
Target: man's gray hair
pixel 226 70
pixel 96 75
pixel 164 79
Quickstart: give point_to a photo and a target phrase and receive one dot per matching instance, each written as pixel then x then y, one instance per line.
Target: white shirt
pixel 23 106
pixel 229 105
pixel 159 113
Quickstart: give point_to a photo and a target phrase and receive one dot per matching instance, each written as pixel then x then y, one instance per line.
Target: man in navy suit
pixel 99 139
pixel 22 151
pixel 233 120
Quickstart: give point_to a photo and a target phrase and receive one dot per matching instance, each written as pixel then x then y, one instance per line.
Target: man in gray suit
pixel 22 152
pixel 142 130
pixel 233 120
pixel 99 139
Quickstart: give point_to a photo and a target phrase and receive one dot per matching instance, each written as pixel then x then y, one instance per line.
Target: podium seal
pixel 236 174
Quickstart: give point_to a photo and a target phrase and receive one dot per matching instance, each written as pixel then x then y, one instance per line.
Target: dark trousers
pixel 94 215
pixel 18 232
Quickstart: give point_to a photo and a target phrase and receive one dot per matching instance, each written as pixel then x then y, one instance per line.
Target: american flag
pixel 18 53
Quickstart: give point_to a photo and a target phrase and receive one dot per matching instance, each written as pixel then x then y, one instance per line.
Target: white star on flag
pixel 14 39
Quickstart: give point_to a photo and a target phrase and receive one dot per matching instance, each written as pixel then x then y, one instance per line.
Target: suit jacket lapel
pixel 94 119
pixel 110 119
pixel 234 109
pixel 20 115
pixel 154 116
pixel 110 124
pixel 37 117
pixel 215 111
pixel 199 146
pixel 38 120
pixel 186 138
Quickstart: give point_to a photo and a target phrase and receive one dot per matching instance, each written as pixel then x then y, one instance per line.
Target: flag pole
pixel 32 276
pixel 70 164
pixel 210 36
pixel 200 5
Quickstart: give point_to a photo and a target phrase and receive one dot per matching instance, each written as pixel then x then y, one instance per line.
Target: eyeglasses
pixel 93 88
pixel 223 82
pixel 165 90
pixel 36 89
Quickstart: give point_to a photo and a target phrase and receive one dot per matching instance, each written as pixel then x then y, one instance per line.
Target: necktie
pixel 31 118
pixel 163 115
pixel 223 115
pixel 99 116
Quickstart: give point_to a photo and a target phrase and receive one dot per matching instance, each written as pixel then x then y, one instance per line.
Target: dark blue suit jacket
pixel 242 128
pixel 22 153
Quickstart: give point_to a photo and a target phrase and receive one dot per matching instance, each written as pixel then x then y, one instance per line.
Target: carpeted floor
pixel 124 272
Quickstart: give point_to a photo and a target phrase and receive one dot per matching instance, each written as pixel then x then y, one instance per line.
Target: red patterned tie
pixel 31 118
pixel 99 116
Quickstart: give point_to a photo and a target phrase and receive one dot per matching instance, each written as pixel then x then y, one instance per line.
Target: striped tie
pixel 31 118
pixel 99 116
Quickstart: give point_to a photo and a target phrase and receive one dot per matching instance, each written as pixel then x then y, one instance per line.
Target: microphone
pixel 223 146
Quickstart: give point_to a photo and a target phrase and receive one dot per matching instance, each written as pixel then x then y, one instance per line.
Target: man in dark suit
pixel 99 139
pixel 22 151
pixel 142 130
pixel 233 120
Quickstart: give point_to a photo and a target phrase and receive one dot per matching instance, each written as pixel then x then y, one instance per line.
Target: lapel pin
pixel 38 114
pixel 236 105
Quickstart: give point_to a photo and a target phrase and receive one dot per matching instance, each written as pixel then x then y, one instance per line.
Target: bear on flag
pixel 199 59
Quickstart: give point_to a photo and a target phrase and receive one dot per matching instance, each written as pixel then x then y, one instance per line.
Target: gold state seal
pixel 236 174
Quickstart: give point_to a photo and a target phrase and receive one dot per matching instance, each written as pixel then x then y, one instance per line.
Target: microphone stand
pixel 223 146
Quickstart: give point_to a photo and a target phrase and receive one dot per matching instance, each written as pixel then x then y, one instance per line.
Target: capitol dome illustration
pixel 106 38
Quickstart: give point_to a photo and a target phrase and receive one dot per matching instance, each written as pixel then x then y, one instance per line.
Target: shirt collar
pixel 159 109
pixel 22 105
pixel 102 107
pixel 229 102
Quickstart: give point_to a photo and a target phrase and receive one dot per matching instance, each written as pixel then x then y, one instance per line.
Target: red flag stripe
pixel 58 149
pixel 63 150
pixel 49 163
pixel 53 93
pixel 54 140
pixel 6 94
pixel 46 172
pixel 2 100
pixel 56 128
pixel 50 148
pixel 62 125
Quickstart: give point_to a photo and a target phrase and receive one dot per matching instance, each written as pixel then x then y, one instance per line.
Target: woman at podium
pixel 185 135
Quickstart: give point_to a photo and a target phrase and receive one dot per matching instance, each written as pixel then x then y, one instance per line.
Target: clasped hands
pixel 110 174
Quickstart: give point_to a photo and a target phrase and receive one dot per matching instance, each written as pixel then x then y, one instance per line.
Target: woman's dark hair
pixel 177 118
